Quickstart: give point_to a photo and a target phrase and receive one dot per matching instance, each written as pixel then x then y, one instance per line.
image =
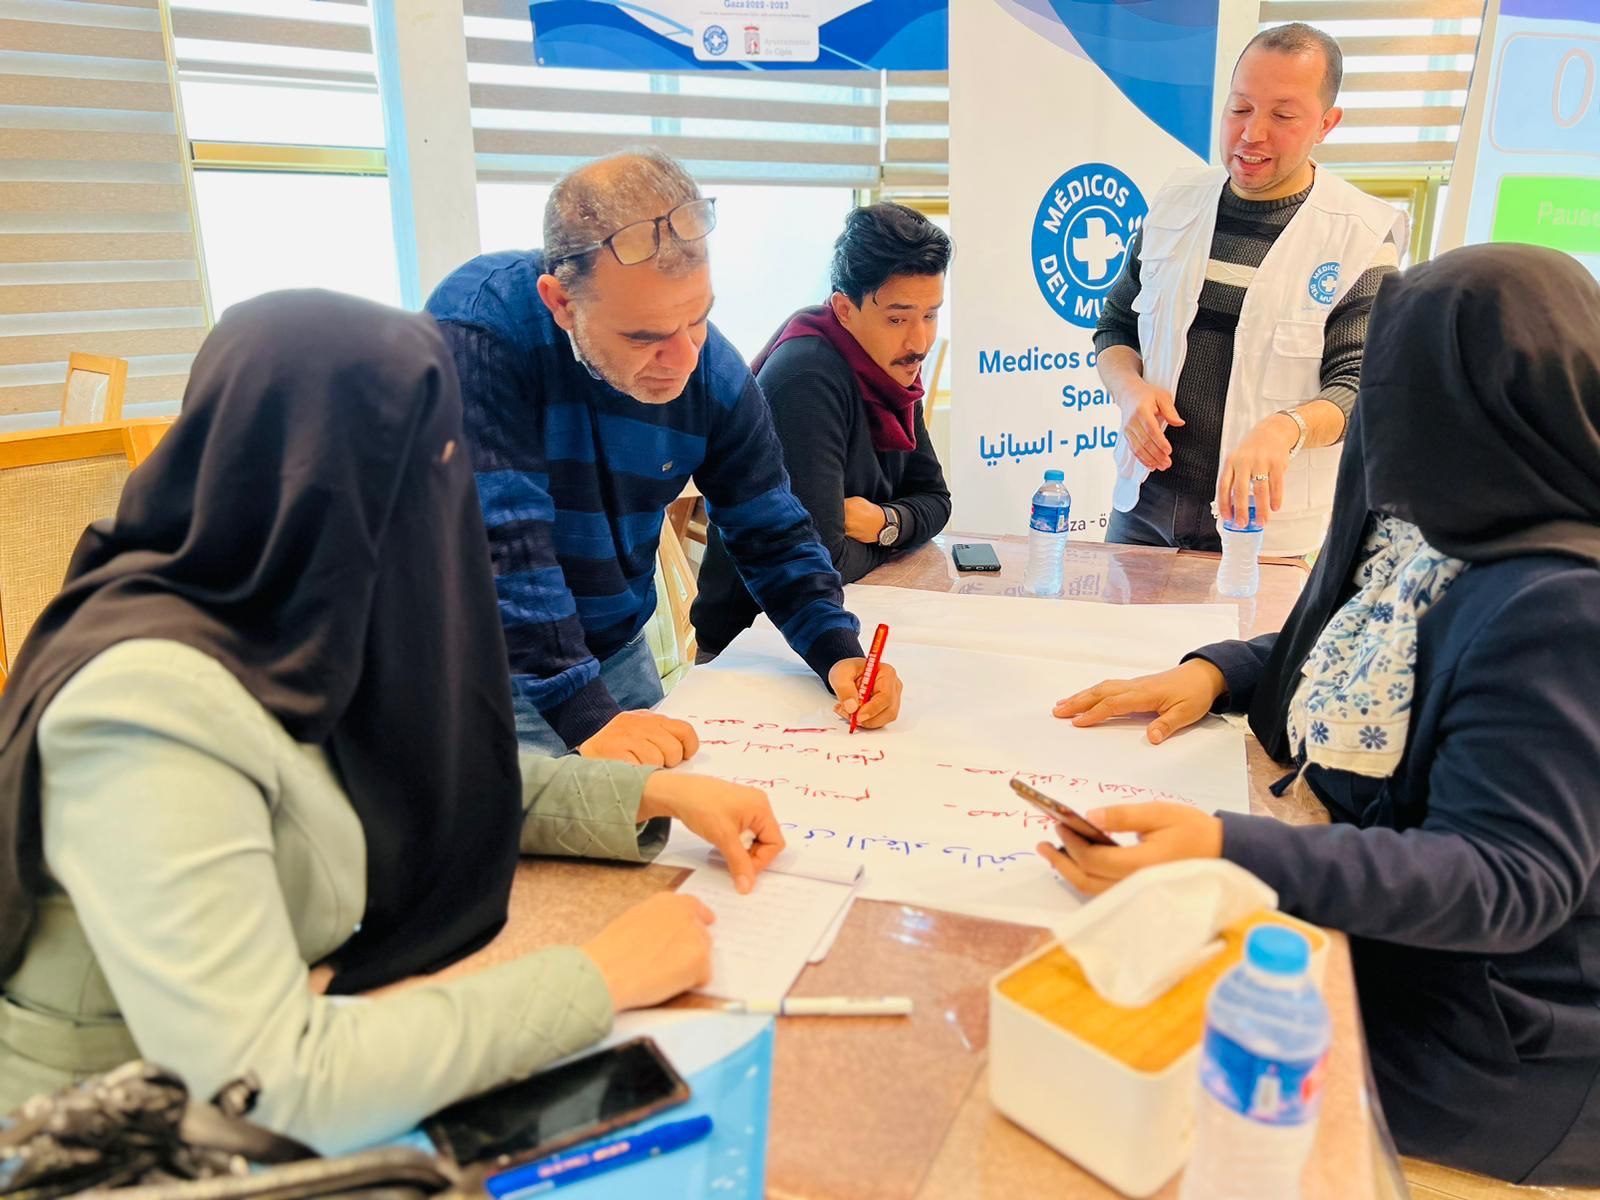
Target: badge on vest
pixel 1324 282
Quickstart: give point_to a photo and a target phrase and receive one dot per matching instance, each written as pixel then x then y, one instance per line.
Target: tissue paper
pixel 1141 937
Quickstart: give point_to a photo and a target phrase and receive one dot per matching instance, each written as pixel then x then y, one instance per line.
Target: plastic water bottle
pixel 1239 573
pixel 1261 1070
pixel 1047 536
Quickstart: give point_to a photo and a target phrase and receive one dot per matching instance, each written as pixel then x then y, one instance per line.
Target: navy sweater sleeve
pixel 1511 838
pixel 769 535
pixel 1241 664
pixel 551 665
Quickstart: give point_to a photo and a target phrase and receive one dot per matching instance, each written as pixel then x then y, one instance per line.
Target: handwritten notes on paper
pixel 762 941
pixel 924 805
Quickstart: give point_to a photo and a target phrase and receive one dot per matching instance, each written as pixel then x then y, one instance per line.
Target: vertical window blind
pixel 97 245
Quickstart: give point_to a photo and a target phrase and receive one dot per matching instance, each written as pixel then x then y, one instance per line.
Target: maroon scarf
pixel 891 407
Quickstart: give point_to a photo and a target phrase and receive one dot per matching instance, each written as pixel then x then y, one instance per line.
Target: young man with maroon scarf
pixel 844 380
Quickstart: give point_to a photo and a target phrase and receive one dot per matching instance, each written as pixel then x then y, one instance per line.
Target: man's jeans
pixel 1166 517
pixel 630 676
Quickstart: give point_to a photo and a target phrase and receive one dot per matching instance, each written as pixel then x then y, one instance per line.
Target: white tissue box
pixel 1111 1088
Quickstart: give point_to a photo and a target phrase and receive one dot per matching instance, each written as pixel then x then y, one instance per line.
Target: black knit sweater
pixel 827 446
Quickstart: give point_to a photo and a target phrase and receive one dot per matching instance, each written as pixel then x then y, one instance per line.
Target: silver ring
pixel 1260 478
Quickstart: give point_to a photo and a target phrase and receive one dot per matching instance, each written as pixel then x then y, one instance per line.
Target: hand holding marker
pixel 870 675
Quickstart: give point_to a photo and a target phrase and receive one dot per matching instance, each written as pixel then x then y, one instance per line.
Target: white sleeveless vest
pixel 1277 351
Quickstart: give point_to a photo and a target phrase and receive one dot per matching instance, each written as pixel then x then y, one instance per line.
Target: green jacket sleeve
pixel 587 808
pixel 161 779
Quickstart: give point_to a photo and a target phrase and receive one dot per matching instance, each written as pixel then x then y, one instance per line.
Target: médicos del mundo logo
pixel 1081 237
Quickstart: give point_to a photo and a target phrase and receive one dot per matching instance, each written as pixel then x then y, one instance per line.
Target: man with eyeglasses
pixel 594 387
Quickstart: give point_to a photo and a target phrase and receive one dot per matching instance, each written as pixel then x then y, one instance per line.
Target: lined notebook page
pixel 761 941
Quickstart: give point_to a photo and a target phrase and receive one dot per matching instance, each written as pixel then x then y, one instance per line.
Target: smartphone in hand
pixel 1067 815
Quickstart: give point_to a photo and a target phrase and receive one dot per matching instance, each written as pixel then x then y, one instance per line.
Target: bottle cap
pixel 1278 951
pixel 1251 526
pixel 1053 477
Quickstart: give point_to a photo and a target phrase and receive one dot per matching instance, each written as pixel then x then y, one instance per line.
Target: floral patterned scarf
pixel 1353 706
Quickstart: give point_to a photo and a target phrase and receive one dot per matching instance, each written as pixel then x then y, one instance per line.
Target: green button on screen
pixel 1558 211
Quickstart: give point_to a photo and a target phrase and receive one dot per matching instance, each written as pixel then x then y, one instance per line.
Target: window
pixel 1406 68
pixel 289 72
pixel 285 126
pixel 265 230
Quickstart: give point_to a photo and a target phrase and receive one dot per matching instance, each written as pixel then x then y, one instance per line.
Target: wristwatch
pixel 1305 429
pixel 890 533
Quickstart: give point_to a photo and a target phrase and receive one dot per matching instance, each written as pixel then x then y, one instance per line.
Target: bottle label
pixel 1047 518
pixel 1269 1091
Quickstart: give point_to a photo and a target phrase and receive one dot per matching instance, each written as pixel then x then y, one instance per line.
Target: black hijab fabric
pixel 311 522
pixel 1478 422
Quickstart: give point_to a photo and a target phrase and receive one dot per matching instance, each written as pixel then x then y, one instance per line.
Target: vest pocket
pixel 1164 231
pixel 1292 372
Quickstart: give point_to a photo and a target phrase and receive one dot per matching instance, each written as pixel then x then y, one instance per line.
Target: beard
pixel 607 372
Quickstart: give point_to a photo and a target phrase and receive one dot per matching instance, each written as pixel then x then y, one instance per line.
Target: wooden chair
pixel 934 376
pixel 54 482
pixel 93 394
pixel 672 633
pixel 687 515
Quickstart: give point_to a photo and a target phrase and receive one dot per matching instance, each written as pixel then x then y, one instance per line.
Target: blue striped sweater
pixel 574 478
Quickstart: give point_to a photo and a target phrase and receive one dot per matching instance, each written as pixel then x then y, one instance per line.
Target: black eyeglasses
pixel 641 241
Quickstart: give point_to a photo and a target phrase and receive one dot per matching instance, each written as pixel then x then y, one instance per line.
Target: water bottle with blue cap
pixel 1239 573
pixel 1261 1069
pixel 1047 536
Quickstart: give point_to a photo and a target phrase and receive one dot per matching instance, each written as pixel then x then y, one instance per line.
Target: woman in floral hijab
pixel 1436 689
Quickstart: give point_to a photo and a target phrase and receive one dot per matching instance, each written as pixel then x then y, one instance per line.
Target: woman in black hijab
pixel 267 723
pixel 1436 688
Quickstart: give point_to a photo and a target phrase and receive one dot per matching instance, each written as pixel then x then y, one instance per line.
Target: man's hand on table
pixel 863 519
pixel 722 813
pixel 1180 697
pixel 847 679
pixel 1167 833
pixel 643 737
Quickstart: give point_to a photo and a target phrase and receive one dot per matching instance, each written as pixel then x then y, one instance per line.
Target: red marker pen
pixel 873 655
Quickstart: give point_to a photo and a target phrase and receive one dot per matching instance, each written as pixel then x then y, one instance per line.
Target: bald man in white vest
pixel 1232 341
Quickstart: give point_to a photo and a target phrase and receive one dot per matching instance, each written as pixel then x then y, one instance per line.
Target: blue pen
pixel 547 1174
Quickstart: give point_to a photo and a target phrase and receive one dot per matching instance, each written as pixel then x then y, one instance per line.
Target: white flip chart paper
pixel 925 805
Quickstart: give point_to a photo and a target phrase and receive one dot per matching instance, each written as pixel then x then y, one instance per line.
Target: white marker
pixel 827 1006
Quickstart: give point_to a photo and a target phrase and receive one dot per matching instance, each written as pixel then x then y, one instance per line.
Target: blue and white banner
pixel 687 35
pixel 1528 162
pixel 1066 116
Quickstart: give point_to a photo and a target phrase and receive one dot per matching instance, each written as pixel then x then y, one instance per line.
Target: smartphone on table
pixel 575 1102
pixel 974 556
pixel 1065 813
